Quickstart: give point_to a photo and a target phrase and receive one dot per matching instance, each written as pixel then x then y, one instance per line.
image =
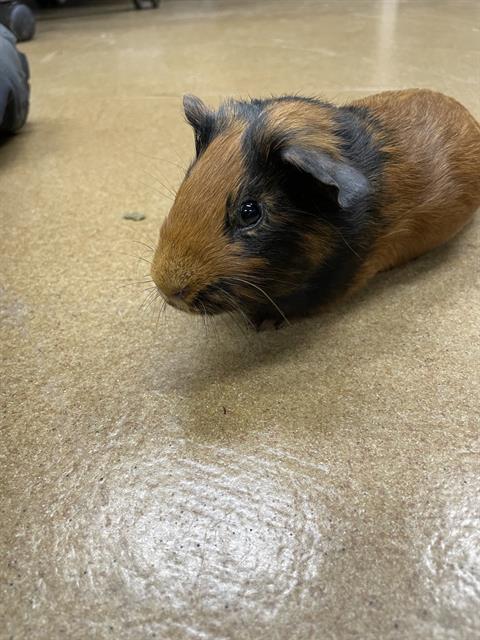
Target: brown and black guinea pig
pixel 292 203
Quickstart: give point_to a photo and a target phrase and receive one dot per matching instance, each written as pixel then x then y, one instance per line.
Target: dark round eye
pixel 249 213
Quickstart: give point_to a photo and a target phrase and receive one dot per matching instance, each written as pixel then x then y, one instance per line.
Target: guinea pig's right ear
pixel 202 120
pixel 351 184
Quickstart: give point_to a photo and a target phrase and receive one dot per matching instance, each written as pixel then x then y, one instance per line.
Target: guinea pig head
pixel 250 223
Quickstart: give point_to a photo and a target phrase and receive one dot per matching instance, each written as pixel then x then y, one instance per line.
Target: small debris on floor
pixel 134 215
pixel 224 411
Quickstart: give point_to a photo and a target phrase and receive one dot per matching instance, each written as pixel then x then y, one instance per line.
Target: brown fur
pixel 432 187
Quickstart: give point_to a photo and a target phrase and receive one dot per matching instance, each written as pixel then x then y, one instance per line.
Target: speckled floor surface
pixel 320 482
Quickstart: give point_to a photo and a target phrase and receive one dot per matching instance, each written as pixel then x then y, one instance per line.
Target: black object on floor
pixel 146 4
pixel 139 4
pixel 19 18
pixel 14 86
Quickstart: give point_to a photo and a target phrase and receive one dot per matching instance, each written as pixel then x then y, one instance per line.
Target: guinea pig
pixel 292 203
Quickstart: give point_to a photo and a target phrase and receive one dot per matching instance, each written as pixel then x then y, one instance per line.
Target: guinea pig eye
pixel 249 213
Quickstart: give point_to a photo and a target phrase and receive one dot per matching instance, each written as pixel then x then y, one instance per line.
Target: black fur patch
pixel 301 201
pixel 357 145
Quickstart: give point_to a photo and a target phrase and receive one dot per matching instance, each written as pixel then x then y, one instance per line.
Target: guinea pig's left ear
pixel 201 118
pixel 352 185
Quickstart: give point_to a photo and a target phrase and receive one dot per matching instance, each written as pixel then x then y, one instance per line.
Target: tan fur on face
pixel 193 249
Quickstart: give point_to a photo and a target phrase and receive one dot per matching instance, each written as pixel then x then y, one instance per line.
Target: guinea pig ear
pixel 352 185
pixel 201 118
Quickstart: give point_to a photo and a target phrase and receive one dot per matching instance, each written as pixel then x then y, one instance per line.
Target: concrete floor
pixel 156 482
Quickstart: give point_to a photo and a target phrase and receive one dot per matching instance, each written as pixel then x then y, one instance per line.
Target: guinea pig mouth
pixel 212 300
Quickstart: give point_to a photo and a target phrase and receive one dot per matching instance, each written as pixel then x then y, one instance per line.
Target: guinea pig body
pixel 292 203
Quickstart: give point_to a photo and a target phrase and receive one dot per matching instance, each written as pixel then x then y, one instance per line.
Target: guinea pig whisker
pixel 237 307
pixel 147 302
pixel 149 186
pixel 209 324
pixel 136 257
pixel 175 164
pixel 228 298
pixel 132 284
pixel 345 241
pixel 150 300
pixel 144 244
pixel 214 326
pixel 152 303
pixel 143 275
pixel 242 327
pixel 234 327
pixel 157 321
pixel 157 179
pixel 266 296
pixel 161 312
pixel 273 279
pixel 204 318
